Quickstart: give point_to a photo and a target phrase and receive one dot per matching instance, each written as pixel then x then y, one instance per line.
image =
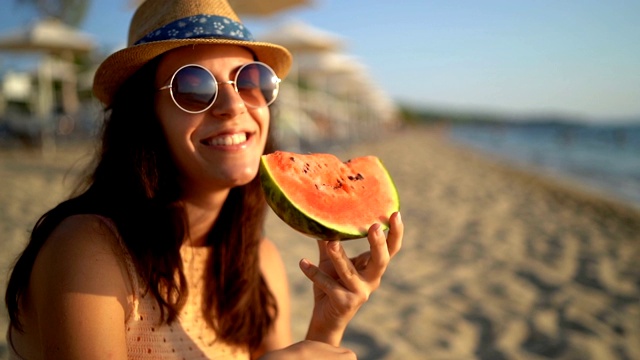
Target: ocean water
pixel 603 158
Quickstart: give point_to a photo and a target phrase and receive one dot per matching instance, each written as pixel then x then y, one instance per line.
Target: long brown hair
pixel 134 183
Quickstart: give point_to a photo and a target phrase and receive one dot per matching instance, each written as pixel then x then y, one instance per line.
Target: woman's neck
pixel 202 212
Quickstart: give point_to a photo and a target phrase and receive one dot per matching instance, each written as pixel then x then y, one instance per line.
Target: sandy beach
pixel 496 264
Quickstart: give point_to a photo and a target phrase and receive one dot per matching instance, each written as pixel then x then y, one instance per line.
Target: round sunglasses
pixel 194 89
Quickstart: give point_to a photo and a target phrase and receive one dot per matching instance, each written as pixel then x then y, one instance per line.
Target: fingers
pixel 322 247
pixel 396 232
pixel 379 252
pixel 383 249
pixel 324 282
pixel 345 268
pixel 341 268
pixel 368 267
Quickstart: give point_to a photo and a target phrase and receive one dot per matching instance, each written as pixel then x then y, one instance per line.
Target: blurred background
pixel 561 80
pixel 497 264
pixel 49 51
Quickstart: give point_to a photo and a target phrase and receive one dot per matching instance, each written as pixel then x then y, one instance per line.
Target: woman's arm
pixel 78 292
pixel 277 345
pixel 274 273
pixel 343 285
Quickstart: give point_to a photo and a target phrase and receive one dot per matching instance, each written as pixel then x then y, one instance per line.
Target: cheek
pixel 263 117
pixel 176 130
pixel 172 120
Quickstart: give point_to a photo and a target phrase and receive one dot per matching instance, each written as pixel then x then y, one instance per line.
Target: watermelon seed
pixel 316 185
pixel 359 177
pixel 292 159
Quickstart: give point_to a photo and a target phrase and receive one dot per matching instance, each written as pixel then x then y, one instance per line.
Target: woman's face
pixel 221 147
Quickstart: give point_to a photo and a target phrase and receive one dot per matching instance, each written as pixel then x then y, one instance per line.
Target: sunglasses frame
pixel 233 82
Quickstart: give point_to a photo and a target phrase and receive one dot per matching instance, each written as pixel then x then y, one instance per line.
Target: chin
pixel 239 178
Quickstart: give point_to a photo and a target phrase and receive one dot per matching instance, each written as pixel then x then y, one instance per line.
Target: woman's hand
pixel 342 285
pixel 310 350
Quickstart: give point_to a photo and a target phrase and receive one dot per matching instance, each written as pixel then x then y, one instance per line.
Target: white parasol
pixel 264 7
pixel 53 39
pixel 303 40
pixel 300 37
pixel 48 36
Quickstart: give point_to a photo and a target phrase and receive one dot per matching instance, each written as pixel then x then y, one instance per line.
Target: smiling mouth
pixel 227 139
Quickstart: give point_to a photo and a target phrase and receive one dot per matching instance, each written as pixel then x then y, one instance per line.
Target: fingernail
pixel 377 228
pixel 334 246
pixel 305 264
pixel 399 217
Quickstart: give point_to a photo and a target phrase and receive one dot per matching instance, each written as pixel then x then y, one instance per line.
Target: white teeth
pixel 228 140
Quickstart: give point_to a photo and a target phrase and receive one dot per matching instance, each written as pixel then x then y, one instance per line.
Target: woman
pixel 160 254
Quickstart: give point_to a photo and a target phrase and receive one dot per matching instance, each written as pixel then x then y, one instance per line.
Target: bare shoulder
pixel 78 285
pixel 92 228
pixel 82 255
pixel 271 262
pixel 273 268
pixel 275 275
pixel 268 250
pixel 80 240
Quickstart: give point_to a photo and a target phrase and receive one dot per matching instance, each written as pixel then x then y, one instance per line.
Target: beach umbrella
pixel 325 70
pixel 53 39
pixel 47 36
pixel 265 8
pixel 327 62
pixel 254 7
pixel 300 37
pixel 362 101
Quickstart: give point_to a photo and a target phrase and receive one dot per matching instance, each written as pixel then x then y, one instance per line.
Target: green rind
pixel 396 195
pixel 302 222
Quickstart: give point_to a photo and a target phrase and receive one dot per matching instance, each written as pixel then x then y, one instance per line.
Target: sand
pixel 496 264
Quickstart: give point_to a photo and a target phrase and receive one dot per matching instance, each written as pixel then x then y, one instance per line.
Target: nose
pixel 228 104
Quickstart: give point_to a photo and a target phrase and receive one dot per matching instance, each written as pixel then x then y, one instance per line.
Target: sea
pixel 601 157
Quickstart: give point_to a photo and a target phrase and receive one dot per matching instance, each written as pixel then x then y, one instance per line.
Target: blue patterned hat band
pixel 159 26
pixel 199 27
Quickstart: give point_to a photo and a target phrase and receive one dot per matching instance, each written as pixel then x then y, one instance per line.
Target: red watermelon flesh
pixel 321 196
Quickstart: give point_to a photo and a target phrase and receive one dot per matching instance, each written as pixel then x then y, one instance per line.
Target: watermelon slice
pixel 325 198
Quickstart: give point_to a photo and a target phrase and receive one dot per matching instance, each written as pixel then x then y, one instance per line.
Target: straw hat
pixel 162 25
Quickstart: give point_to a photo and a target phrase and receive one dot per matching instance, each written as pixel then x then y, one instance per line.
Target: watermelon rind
pixel 296 218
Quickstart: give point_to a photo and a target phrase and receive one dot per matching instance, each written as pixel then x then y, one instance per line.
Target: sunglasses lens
pixel 193 89
pixel 257 85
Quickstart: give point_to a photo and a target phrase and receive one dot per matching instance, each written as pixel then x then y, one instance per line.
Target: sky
pixel 576 58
